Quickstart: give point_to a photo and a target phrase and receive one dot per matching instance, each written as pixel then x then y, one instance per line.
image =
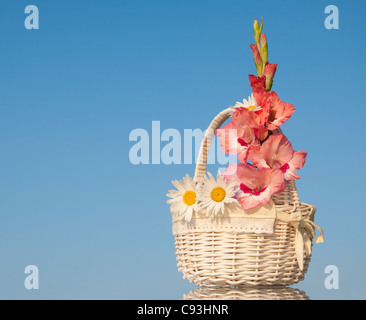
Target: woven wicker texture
pixel 229 258
pixel 247 293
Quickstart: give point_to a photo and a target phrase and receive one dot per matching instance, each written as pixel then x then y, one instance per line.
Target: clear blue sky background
pixel 99 227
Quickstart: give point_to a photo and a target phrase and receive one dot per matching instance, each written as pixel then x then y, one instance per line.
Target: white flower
pixel 183 200
pixel 250 104
pixel 216 197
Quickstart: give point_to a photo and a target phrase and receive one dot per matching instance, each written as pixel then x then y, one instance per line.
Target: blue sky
pixel 97 226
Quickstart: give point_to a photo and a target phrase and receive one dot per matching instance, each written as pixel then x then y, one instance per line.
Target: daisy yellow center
pixel 218 194
pixel 250 108
pixel 189 198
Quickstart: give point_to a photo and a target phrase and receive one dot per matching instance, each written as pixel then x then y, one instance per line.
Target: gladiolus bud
pixel 256 25
pixel 264 48
pixel 256 54
pixel 256 31
pixel 263 39
pixel 269 72
pixel 257 59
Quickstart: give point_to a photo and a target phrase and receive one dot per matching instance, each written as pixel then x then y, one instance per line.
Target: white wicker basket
pixel 229 255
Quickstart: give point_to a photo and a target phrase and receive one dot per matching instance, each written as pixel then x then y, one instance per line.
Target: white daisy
pixel 183 200
pixel 250 104
pixel 216 197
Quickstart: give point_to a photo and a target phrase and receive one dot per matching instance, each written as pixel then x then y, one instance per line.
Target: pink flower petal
pixel 285 167
pixel 245 189
pixel 279 112
pixel 275 152
pixel 297 162
pixel 242 157
pixel 278 183
pixel 258 185
pixel 257 84
pixel 230 172
pixel 248 203
pixel 228 138
pixel 255 155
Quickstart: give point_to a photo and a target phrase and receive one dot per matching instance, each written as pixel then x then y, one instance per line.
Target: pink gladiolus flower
pixel 252 105
pixel 277 153
pixel 263 115
pixel 244 131
pixel 257 186
pixel 245 119
pixel 279 111
pixel 231 141
pixel 258 84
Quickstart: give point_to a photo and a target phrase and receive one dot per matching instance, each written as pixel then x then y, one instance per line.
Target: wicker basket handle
pixel 201 165
pixel 216 123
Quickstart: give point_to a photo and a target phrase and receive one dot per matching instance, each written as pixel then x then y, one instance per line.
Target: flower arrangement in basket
pixel 247 225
